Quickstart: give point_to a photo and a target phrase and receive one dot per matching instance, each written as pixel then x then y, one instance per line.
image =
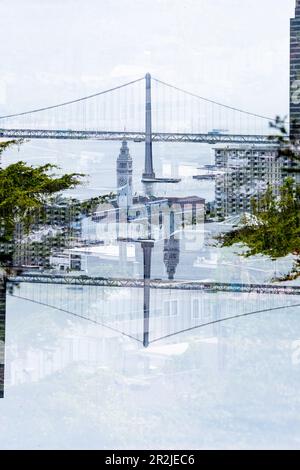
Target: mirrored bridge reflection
pixel 148 310
pixel 144 309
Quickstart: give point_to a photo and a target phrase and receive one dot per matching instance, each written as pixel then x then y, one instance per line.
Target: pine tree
pixel 24 190
pixel 274 227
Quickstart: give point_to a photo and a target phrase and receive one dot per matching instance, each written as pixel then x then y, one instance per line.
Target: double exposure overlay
pixel 149 225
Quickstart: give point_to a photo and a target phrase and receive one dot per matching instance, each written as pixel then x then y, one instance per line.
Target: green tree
pixel 25 189
pixel 273 229
pixel 288 146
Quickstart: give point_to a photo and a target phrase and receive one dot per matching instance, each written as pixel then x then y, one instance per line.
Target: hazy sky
pixel 235 51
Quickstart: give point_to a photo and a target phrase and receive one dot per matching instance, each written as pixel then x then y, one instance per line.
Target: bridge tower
pixel 171 250
pixel 147 247
pixel 149 172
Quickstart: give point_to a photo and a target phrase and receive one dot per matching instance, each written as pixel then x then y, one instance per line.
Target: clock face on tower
pixel 122 181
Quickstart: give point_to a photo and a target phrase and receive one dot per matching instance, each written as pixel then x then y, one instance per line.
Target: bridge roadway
pixel 136 136
pixel 154 284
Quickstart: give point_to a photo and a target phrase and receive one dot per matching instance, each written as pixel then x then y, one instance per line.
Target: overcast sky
pixel 231 50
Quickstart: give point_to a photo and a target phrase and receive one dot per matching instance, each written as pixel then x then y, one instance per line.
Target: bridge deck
pixel 156 284
pixel 135 136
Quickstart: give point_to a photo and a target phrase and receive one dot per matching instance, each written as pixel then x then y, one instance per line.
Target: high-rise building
pixel 2 331
pixel 295 73
pixel 124 177
pixel 243 175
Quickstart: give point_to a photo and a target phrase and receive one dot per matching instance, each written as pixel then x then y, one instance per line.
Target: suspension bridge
pixel 143 110
pixel 145 310
pixel 193 285
pixel 143 307
pixel 148 295
pixel 148 310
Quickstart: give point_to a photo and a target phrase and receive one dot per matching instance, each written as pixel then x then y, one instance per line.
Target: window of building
pixel 171 308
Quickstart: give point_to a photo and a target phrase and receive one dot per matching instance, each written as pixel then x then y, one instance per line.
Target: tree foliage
pixel 288 145
pixel 31 198
pixel 9 143
pixel 274 227
pixel 24 188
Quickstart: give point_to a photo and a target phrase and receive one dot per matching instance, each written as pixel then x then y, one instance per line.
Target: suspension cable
pixel 212 101
pixel 222 320
pixel 84 98
pixel 95 322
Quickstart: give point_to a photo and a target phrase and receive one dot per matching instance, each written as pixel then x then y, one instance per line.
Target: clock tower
pixel 124 177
